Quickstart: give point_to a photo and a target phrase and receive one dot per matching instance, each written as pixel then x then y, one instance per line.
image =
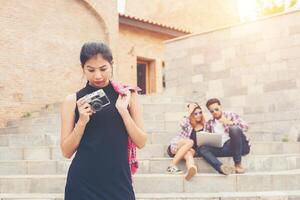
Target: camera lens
pixel 97 105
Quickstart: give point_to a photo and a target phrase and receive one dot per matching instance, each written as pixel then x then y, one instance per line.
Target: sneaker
pixel 226 169
pixel 174 170
pixel 191 172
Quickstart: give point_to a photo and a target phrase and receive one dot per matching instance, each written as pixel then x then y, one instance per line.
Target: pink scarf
pixel 133 163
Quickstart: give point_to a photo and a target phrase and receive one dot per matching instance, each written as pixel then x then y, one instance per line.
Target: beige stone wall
pixel 40 44
pixel 194 15
pixel 134 43
pixel 254 68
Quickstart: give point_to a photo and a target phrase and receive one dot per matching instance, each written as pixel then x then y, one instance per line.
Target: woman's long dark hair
pixel 91 49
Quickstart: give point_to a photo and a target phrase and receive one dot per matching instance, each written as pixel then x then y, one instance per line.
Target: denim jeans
pixel 236 147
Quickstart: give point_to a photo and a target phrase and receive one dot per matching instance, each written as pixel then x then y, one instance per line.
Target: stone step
pixel 157 131
pixel 154 122
pixel 173 126
pixel 154 137
pixel 54 119
pixel 149 151
pixel 31 196
pixel 273 195
pixel 49 110
pixel 158 116
pixel 172 112
pixel 34 167
pixel 29 140
pixel 44 112
pixel 40 139
pixel 285 127
pixel 287 115
pixel 53 126
pixel 164 137
pixel 257 148
pixel 49 119
pixel 253 163
pixel 32 129
pixel 164 183
pixel 158 125
pixel 49 127
pixel 151 112
pixel 255 182
pixel 31 153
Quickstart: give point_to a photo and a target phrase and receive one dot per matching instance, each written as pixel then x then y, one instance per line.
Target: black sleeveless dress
pixel 100 169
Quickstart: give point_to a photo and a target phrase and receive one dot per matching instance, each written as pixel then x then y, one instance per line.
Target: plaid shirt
pixel 235 118
pixel 133 163
pixel 184 133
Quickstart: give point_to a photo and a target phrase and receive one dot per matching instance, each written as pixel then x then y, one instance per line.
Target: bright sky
pixel 248 9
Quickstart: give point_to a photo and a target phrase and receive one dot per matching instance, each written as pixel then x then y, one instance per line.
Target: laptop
pixel 210 139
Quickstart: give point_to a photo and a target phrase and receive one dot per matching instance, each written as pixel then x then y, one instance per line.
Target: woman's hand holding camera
pixel 85 111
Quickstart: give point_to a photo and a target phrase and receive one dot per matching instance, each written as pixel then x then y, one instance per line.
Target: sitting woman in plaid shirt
pixel 184 144
pixel 235 143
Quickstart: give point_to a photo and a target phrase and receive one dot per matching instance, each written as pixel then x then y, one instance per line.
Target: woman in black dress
pixel 104 140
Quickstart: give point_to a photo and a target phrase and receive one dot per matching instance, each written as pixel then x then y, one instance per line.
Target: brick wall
pixel 40 43
pixel 254 68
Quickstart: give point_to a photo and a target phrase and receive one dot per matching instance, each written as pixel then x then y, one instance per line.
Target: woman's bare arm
pixel 70 134
pixel 133 119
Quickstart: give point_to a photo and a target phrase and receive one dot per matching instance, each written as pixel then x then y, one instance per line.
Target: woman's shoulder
pixel 70 97
pixel 69 102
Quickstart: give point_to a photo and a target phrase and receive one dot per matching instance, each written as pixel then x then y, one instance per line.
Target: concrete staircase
pixel 32 167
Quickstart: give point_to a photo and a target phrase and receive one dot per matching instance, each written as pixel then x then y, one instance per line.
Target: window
pixel 163 75
pixel 146 75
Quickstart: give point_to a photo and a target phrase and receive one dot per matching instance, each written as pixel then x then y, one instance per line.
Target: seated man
pixel 235 143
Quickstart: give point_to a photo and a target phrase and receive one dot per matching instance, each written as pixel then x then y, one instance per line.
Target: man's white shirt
pixel 219 128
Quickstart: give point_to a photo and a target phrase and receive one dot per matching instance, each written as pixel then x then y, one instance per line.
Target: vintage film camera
pixel 98 100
